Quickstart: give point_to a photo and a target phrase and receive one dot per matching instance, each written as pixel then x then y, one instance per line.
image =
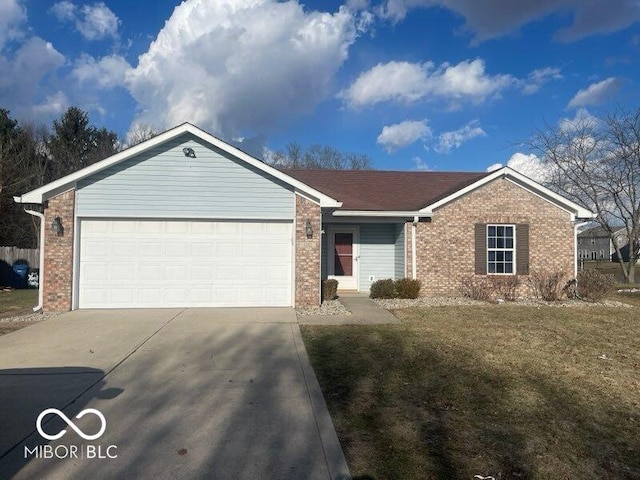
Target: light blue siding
pixel 399 251
pixel 164 182
pixel 377 252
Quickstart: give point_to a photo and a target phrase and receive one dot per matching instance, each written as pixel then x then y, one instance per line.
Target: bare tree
pixel 596 162
pixel 318 157
pixel 141 133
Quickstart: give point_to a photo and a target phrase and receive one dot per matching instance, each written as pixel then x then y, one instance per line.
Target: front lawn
pixel 17 302
pixel 500 390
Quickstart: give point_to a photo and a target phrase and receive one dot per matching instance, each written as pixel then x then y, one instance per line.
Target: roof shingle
pixel 378 190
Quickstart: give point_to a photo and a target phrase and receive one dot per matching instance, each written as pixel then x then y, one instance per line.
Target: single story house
pixel 187 220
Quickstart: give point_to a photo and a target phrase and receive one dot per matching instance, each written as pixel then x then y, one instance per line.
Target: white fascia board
pixel 37 195
pixel 509 173
pixel 378 213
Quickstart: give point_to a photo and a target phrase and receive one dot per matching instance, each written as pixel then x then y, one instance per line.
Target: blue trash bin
pixel 20 271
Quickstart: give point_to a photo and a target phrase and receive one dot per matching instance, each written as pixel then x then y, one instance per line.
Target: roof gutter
pixel 41 267
pixel 381 213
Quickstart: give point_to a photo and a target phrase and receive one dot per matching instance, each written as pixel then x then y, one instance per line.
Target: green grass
pixel 508 391
pixel 15 302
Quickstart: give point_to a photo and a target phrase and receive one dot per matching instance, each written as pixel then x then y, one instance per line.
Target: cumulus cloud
pixel 23 71
pixel 408 82
pixel 400 135
pixel 596 93
pixel 94 22
pixel 12 17
pixel 447 141
pixel 234 66
pixel 106 72
pixel 494 18
pixel 537 78
pixel 529 165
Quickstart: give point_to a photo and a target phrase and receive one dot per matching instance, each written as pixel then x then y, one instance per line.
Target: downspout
pixel 40 274
pixel 414 227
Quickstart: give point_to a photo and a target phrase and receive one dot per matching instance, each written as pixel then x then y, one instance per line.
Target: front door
pixel 343 257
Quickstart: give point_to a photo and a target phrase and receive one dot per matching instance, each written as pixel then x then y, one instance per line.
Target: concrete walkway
pixel 364 311
pixel 186 394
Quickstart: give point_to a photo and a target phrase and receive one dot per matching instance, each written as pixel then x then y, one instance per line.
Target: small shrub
pixel 505 286
pixel 329 289
pixel 593 286
pixel 476 288
pixel 547 285
pixel 407 288
pixel 383 289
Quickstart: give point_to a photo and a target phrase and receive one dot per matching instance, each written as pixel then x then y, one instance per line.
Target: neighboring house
pixel 595 244
pixel 186 220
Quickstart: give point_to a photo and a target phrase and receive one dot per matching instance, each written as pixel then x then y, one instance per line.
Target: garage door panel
pixel 151 263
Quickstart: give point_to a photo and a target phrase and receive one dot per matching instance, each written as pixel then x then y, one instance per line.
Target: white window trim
pixel 515 268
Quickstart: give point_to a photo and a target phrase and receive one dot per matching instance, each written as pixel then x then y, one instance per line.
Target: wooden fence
pixel 10 255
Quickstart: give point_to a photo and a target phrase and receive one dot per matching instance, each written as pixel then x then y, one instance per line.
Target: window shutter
pixel 522 249
pixel 481 248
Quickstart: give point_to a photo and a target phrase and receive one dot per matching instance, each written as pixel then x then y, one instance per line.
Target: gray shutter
pixel 481 248
pixel 522 249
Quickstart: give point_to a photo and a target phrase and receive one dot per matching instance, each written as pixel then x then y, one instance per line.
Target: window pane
pixel 492 256
pixel 508 231
pixel 500 256
pixel 508 267
pixel 508 256
pixel 499 267
pixel 501 231
pixel 508 243
pixel 492 231
pixel 492 242
pixel 500 243
pixel 492 268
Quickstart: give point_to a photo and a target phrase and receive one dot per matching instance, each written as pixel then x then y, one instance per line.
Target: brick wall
pixel 446 245
pixel 307 255
pixel 58 254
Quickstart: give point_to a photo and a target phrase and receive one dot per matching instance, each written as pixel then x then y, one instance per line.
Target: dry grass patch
pixel 16 302
pixel 508 391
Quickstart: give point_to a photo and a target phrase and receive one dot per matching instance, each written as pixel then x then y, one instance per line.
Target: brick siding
pixel 446 245
pixel 307 255
pixel 58 254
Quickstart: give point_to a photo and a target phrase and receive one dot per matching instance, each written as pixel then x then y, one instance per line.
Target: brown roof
pixel 384 190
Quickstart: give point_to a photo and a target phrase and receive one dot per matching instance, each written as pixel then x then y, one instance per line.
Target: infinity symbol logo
pixel 71 424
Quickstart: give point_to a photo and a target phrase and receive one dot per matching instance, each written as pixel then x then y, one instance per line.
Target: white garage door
pixel 148 263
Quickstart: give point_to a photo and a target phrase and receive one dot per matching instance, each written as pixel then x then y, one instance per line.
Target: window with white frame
pixel 501 249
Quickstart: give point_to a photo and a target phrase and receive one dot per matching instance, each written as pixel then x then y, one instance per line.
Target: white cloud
pixel 596 93
pixel 539 77
pixel 408 82
pixel 454 139
pixel 94 22
pixel 52 106
pixel 12 16
pixel 400 135
pixel 581 119
pixel 494 18
pixel 495 166
pixel 24 71
pixel 107 72
pixel 527 164
pixel 420 164
pixel 234 66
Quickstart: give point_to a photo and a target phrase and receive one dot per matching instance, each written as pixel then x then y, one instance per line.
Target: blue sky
pixel 414 84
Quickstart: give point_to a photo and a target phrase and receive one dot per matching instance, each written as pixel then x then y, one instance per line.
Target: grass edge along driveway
pixel 507 391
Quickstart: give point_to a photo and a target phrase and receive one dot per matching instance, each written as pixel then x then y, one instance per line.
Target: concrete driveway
pixel 185 394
